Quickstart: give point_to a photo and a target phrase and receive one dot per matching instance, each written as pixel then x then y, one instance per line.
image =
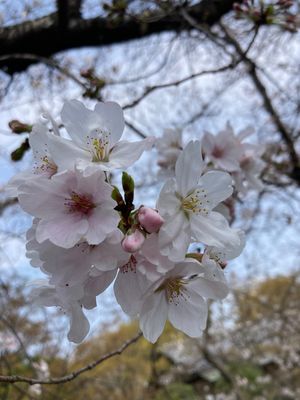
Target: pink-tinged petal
pixel 188 168
pixel 95 185
pixel 111 117
pixel 208 143
pixel 63 232
pixel 133 242
pixel 153 316
pixel 227 164
pixel 213 230
pixel 188 313
pixel 108 256
pixel 11 189
pixel 218 186
pixel 41 198
pixel 150 219
pixel 64 152
pixel 124 153
pixel 79 325
pixel 101 222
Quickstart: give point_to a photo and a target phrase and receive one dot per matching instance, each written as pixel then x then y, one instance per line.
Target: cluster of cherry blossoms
pixel 87 233
pixel 224 151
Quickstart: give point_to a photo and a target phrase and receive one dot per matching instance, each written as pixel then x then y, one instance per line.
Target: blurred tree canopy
pixel 235 360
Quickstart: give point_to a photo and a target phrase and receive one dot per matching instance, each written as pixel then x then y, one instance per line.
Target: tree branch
pixel 151 89
pixel 43 36
pixel 74 374
pixel 282 129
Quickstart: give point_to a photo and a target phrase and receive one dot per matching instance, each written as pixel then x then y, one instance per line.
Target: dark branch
pixel 44 37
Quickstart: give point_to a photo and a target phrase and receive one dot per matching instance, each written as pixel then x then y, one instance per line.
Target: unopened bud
pixel 133 242
pixel 150 219
pixel 18 127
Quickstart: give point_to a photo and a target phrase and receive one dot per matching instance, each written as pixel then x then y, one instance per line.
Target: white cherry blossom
pixel 95 144
pixel 186 203
pixel 179 297
pixel 44 165
pixel 138 273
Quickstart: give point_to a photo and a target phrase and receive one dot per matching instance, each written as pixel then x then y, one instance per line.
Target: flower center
pixel 98 144
pixel 47 166
pixel 174 289
pixel 79 203
pixel 196 202
pixel 217 152
pixel 130 266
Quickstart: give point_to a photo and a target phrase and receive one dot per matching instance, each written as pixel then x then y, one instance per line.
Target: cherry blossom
pixel 169 146
pixel 186 203
pixel 138 273
pixel 70 208
pixel 44 164
pixel 223 149
pixel 179 297
pixel 95 135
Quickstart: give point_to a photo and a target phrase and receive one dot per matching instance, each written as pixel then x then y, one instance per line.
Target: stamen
pixel 44 164
pixel 78 203
pixel 130 266
pixel 98 143
pixel 196 202
pixel 175 290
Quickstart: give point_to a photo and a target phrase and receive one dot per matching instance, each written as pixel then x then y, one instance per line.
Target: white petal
pixel 64 152
pixel 213 230
pixel 111 116
pixel 189 314
pixel 153 316
pixel 174 237
pixel 188 168
pixel 78 120
pixel 168 203
pixel 129 288
pixel 218 186
pixel 79 325
pixel 124 153
pixel 213 285
pixel 96 285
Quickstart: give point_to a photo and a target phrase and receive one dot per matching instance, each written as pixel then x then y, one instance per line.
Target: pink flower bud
pixel 133 242
pixel 150 219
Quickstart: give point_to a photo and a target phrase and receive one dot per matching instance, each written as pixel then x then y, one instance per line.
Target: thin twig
pixel 151 89
pixel 74 374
